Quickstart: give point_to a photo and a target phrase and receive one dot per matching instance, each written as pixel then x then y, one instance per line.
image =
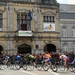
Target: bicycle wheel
pixel 25 66
pixel 0 66
pixel 31 66
pixel 11 66
pixel 4 66
pixel 71 66
pixel 39 67
pixel 17 66
pixel 46 67
pixel 54 68
pixel 74 68
pixel 61 67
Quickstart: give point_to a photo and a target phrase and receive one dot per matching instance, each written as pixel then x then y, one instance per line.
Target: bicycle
pixel 46 66
pixel 19 65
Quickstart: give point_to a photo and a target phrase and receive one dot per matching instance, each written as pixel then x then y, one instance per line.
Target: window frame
pixel 46 1
pixel 49 19
pixel 22 21
pixel 73 32
pixel 64 33
pixel 65 48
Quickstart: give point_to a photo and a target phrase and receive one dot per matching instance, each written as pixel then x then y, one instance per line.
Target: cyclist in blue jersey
pixel 18 58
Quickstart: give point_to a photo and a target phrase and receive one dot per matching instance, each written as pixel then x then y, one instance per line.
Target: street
pixel 34 72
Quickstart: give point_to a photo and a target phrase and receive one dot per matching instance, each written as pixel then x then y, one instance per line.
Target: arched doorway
pixel 24 48
pixel 1 49
pixel 49 48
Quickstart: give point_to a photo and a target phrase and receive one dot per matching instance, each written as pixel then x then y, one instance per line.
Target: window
pixel 65 48
pixel 23 22
pixel 46 1
pixel 64 33
pixel 36 46
pixel 73 49
pixel 1 20
pixel 48 19
pixel 23 0
pixel 73 32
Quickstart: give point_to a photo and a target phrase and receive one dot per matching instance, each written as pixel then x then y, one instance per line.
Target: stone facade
pixel 38 34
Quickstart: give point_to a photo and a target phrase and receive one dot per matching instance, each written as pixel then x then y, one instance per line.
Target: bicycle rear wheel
pixel 71 66
pixel 4 66
pixel 25 66
pixel 17 66
pixel 61 67
pixel 54 68
pixel 31 66
pixel 46 67
pixel 39 67
pixel 74 68
pixel 11 66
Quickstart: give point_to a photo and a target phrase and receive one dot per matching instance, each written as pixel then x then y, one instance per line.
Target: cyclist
pixel 65 59
pixel 47 57
pixel 6 59
pixel 32 58
pixel 19 59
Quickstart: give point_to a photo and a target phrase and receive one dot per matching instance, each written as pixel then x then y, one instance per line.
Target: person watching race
pixel 73 62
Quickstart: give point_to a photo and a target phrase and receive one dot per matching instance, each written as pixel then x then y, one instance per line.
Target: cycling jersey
pixel 47 55
pixel 31 56
pixel 65 58
pixel 18 58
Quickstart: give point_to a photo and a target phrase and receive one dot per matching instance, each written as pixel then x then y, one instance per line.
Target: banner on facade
pixel 49 26
pixel 24 33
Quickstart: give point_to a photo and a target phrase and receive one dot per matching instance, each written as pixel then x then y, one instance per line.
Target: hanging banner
pixel 49 26
pixel 24 33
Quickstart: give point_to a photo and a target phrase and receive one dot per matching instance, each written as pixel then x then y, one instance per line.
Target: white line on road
pixel 53 72
pixel 29 73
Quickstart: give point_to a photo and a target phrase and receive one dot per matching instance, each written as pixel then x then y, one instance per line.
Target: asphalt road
pixel 34 72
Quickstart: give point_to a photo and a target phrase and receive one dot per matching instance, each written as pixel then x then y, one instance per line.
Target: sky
pixel 62 1
pixel 66 1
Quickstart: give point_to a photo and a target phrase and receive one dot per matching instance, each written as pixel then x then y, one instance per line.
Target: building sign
pixel 49 26
pixel 24 33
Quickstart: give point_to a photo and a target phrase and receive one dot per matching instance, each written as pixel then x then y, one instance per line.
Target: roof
pixel 67 8
pixel 67 11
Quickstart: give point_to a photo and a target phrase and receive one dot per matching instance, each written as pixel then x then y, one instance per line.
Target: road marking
pixel 53 72
pixel 29 73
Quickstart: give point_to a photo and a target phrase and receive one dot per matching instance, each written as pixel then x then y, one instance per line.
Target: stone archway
pixel 24 48
pixel 50 48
